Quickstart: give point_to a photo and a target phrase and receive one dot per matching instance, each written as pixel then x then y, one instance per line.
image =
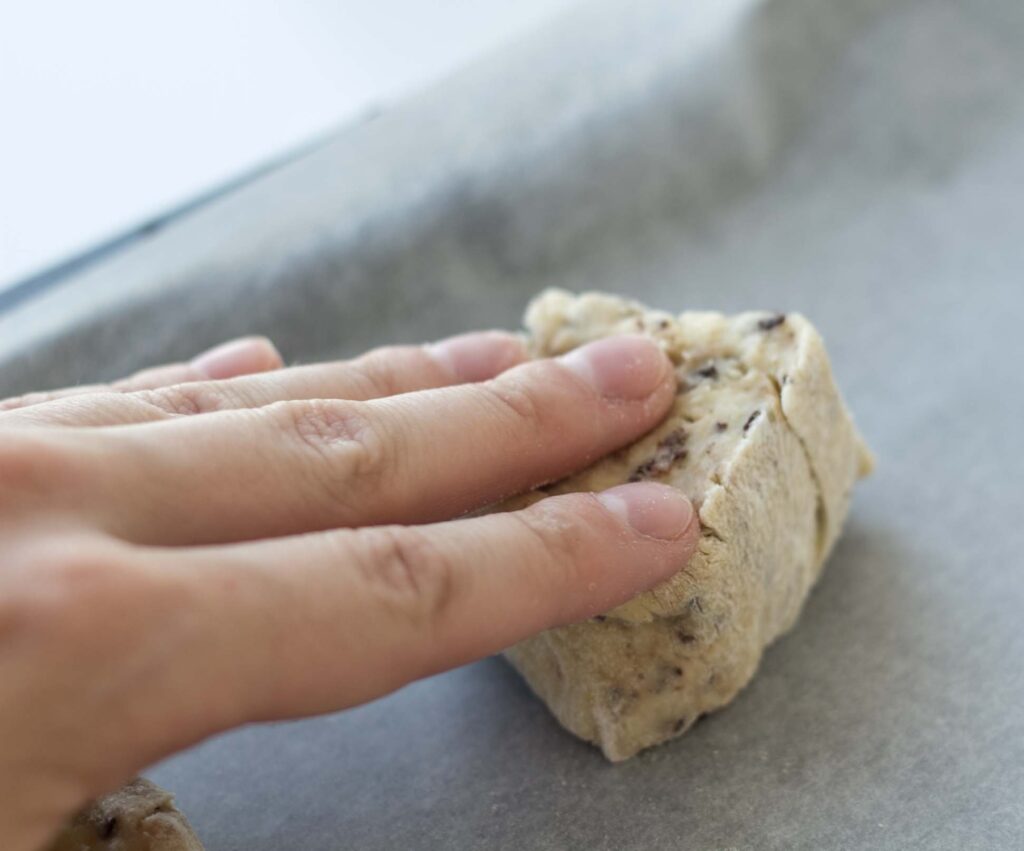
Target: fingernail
pixel 656 511
pixel 238 357
pixel 629 368
pixel 478 355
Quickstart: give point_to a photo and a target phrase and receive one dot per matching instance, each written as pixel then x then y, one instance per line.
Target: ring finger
pixel 236 357
pixel 185 389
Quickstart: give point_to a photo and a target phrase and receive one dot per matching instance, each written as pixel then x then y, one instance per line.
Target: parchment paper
pixel 861 162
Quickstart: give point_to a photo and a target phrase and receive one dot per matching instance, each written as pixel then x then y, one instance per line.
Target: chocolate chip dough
pixel 139 816
pixel 759 438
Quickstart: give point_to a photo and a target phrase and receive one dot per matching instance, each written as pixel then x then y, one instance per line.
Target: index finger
pixel 317 623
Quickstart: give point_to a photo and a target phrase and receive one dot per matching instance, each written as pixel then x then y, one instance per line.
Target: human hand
pixel 182 558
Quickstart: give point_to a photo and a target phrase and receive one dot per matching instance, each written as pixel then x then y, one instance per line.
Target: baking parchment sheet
pixel 860 162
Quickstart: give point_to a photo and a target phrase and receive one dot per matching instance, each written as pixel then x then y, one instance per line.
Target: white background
pixel 113 111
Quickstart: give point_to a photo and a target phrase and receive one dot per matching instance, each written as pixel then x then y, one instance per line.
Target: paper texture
pixel 861 162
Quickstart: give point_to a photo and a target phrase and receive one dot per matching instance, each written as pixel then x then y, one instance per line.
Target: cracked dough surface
pixel 759 438
pixel 139 816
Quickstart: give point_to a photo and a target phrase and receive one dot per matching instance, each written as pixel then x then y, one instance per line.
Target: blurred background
pixel 341 175
pixel 115 112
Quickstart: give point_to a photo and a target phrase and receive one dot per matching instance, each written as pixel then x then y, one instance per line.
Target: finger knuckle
pixel 518 400
pixel 182 400
pixel 77 630
pixel 559 537
pixel 24 401
pixel 76 580
pixel 540 398
pixel 349 453
pixel 322 424
pixel 332 428
pixel 62 588
pixel 376 371
pixel 32 467
pixel 409 573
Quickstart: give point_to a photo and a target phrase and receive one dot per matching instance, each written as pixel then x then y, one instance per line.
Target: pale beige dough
pixel 139 816
pixel 760 440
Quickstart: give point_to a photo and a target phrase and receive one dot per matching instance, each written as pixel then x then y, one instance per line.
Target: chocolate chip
pixel 685 637
pixel 670 449
pixel 771 322
pixel 663 324
pixel 750 421
pixel 600 618
pixel 677 671
pixel 709 371
pixel 721 426
pixel 108 828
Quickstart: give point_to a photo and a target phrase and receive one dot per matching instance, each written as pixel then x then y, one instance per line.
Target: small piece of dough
pixel 760 440
pixel 139 816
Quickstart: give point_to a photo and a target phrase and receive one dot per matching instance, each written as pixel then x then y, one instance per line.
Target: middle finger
pixel 297 467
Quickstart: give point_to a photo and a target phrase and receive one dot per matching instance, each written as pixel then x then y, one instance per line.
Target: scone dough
pixel 139 816
pixel 760 440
